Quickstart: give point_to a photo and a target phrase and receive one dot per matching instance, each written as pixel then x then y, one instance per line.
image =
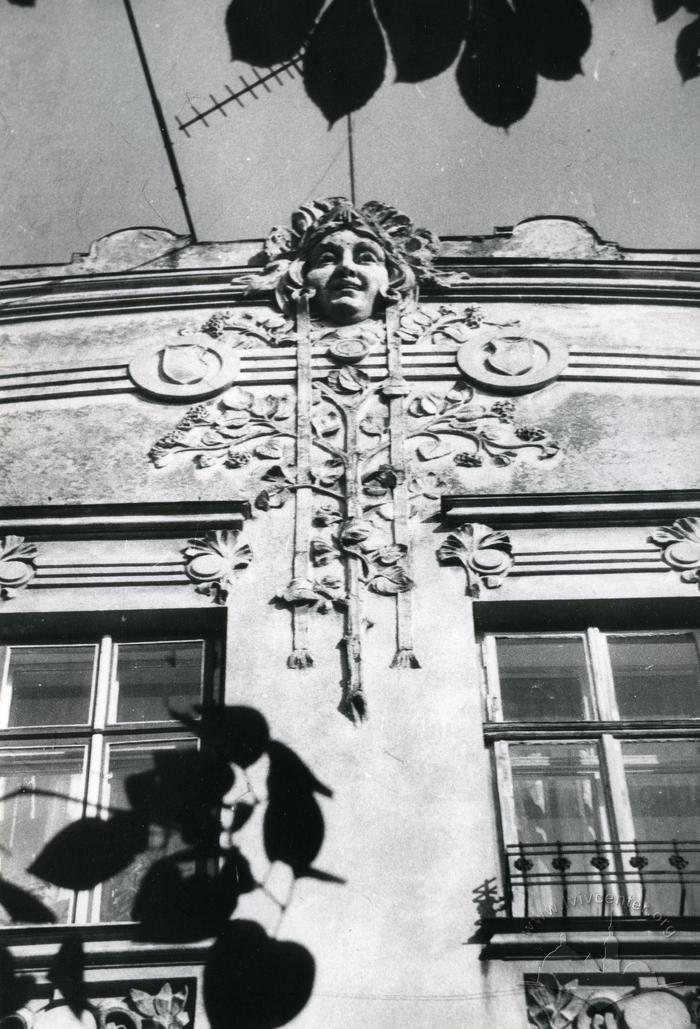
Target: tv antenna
pixel 276 75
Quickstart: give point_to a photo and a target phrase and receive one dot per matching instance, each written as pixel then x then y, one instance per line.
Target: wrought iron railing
pixel 638 878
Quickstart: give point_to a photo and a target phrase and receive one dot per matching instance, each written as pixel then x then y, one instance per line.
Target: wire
pixel 158 110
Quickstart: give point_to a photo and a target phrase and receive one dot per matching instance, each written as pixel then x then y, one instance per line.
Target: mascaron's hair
pixel 409 252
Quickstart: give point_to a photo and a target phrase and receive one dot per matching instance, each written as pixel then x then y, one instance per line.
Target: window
pixel 76 718
pixel 597 744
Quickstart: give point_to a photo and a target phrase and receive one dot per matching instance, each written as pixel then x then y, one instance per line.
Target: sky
pixel 81 154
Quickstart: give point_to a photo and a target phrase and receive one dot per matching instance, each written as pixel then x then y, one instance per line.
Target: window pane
pixel 544 679
pixel 558 792
pixel 656 676
pixel 559 799
pixel 663 781
pixel 154 677
pixel 29 821
pixel 117 895
pixel 48 685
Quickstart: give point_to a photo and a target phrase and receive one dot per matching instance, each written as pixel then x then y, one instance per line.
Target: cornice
pixel 624 507
pixel 486 279
pixel 153 519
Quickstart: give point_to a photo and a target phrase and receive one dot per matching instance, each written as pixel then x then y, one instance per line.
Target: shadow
pixel 189 888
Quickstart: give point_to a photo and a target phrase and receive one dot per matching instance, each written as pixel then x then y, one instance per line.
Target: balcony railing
pixel 645 878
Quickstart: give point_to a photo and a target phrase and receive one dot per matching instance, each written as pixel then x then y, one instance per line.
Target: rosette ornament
pixel 212 561
pixel 16 565
pixel 680 544
pixel 486 556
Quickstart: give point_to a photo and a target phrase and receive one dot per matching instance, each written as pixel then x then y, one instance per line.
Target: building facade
pixel 349 630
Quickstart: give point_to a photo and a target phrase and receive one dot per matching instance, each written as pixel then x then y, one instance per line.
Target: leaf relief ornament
pixel 212 561
pixel 17 568
pixel 680 545
pixel 485 555
pixel 166 1009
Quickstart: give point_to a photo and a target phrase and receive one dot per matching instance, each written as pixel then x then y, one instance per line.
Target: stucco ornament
pixel 184 368
pixel 356 450
pixel 486 556
pixel 680 543
pixel 166 1009
pixel 350 262
pixel 212 561
pixel 17 568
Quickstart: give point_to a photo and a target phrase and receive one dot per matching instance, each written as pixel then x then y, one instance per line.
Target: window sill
pixel 569 939
pixel 105 946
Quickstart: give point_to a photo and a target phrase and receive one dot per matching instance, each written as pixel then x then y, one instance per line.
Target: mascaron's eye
pixel 368 257
pixel 325 257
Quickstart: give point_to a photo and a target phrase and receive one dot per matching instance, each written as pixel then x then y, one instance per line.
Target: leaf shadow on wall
pixel 190 889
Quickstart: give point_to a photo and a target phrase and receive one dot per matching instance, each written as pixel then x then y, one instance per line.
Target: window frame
pixel 97 736
pixel 608 732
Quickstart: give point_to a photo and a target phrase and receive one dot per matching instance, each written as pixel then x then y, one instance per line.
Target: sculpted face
pixel 348 273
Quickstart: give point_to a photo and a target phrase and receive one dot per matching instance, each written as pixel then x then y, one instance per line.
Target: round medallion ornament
pixel 684 554
pixel 348 351
pixel 15 573
pixel 512 364
pixel 185 368
pixel 206 567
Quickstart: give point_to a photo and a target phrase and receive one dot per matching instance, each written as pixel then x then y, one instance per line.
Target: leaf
pixel 254 982
pixel 664 9
pixel 392 581
pixel 558 34
pixel 237 732
pixel 496 73
pixel 264 32
pixel 688 51
pixel 345 58
pixel 372 426
pixel 237 399
pixel 89 851
pixel 270 450
pixel 241 813
pixel 424 37
pixel 433 449
pixel 23 906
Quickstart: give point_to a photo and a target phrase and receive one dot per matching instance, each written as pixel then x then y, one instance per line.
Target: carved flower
pixel 467 460
pixel 212 561
pixel 166 1009
pixel 16 565
pixel 681 547
pixel 486 556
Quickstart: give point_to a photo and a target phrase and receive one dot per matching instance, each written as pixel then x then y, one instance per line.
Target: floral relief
pixel 680 544
pixel 212 561
pixel 486 556
pixel 17 567
pixel 166 1009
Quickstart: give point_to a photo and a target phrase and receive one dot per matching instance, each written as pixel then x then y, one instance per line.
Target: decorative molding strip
pixel 212 561
pixel 587 562
pixel 17 565
pixel 486 556
pixel 264 366
pixel 94 520
pixel 628 507
pixel 680 544
pixel 79 575
pixel 495 279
